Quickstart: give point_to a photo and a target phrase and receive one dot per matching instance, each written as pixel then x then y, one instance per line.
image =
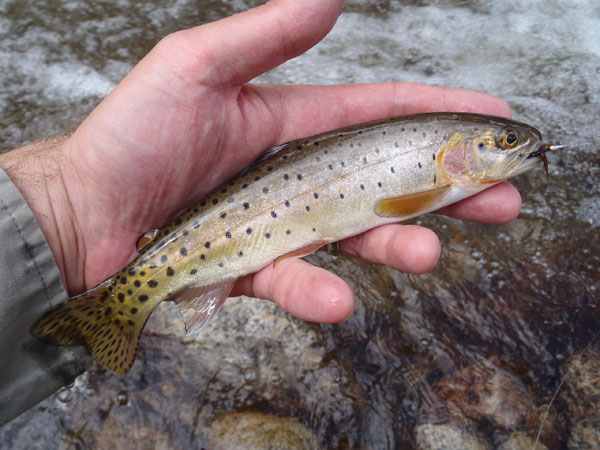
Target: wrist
pixel 37 171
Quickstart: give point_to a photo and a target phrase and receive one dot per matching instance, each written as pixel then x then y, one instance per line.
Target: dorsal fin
pixel 145 239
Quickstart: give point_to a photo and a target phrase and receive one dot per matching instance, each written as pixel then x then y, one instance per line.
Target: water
pixel 473 351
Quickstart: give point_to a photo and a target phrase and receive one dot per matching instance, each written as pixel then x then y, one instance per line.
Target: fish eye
pixel 508 138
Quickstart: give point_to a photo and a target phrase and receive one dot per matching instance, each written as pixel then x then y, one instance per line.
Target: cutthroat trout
pixel 299 197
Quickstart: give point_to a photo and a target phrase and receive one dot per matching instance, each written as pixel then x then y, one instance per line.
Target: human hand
pixel 185 120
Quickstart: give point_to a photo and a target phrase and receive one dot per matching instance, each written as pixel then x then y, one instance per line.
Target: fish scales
pixel 305 194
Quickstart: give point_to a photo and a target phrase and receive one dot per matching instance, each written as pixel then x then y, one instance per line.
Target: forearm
pixel 31 284
pixel 37 172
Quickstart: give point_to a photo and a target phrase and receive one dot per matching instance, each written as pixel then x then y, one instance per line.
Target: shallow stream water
pixel 493 348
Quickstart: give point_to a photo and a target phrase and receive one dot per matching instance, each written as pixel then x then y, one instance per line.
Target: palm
pixel 173 130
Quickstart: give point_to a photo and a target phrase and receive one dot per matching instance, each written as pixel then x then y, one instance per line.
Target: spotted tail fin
pixel 94 320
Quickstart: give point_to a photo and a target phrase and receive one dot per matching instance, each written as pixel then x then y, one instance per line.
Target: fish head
pixel 486 153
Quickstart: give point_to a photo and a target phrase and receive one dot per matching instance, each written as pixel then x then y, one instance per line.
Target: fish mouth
pixel 541 153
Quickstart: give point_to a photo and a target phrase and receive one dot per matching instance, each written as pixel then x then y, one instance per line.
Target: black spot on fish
pixel 215 201
pixel 108 312
pixel 196 210
pixel 152 265
pixel 178 221
pixel 392 169
pixel 287 204
pixel 286 176
pixel 240 254
pixel 342 196
pixel 152 283
pixel 288 232
pixel 223 191
pixel 433 155
pixel 131 271
pixel 325 151
pixel 256 178
pixel 299 176
pixel 223 215
pixel 265 190
pixel 248 230
pixel 414 130
pixel 246 205
pixel 284 157
pixel 316 144
pixel 365 159
pixel 384 133
pixel 143 298
pixel 130 323
pixel 196 225
pixel 435 132
pixel 434 178
pixel 410 143
pixel 129 292
pixel 318 159
pixel 267 235
pixel 203 203
pixel 307 208
pixel 183 251
pixel 377 150
pixel 207 244
pixel 419 164
pixel 134 310
pixel 202 257
pixel 193 272
pixel 339 144
pixel 121 297
pixel 110 288
pixel 362 186
pixel 124 280
pixel 424 134
pixel 351 145
pixel 330 166
pixel 481 145
pixel 164 258
pixel 315 195
pixel 379 184
pixel 402 129
pixel 273 214
pixel 185 232
pixel 230 200
pixel 137 283
pixel 269 168
pixel 220 264
pixel 343 164
pixel 314 229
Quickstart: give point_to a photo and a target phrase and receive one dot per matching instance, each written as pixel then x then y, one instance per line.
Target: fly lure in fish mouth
pixel 541 152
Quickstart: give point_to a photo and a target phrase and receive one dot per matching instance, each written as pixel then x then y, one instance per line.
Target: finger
pixel 408 248
pixel 239 48
pixel 497 205
pixel 300 111
pixel 306 291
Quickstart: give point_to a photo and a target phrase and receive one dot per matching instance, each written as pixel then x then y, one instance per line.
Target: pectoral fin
pixel 198 304
pixel 411 204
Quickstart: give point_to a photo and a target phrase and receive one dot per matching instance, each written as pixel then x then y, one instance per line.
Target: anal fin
pixel 198 304
pixel 411 204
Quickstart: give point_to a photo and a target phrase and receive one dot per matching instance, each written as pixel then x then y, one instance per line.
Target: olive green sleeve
pixel 29 284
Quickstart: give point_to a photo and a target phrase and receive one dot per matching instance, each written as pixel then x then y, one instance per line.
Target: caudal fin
pixel 94 320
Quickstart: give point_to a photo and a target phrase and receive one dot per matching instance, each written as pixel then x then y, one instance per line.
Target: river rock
pixel 448 436
pixel 252 430
pixel 486 391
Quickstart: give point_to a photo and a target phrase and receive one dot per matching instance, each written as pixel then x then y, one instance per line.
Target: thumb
pixel 239 48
